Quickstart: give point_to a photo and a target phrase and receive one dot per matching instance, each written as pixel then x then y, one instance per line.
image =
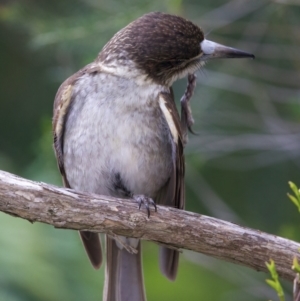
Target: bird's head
pixel 161 48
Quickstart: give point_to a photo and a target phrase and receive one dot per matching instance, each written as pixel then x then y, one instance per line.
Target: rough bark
pixel 65 208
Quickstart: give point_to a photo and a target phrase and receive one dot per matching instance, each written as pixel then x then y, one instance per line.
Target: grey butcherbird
pixel 117 132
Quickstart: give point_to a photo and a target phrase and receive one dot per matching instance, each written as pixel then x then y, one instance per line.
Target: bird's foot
pixel 147 202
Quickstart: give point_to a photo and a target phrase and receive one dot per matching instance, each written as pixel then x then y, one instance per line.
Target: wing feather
pixel 62 104
pixel 172 194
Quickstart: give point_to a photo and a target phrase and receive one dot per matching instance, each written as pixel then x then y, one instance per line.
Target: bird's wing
pixel 172 194
pixel 62 103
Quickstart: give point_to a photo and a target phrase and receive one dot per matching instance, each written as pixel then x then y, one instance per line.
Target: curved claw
pixel 141 199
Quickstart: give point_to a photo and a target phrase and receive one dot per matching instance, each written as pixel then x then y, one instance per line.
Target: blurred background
pixel 247 146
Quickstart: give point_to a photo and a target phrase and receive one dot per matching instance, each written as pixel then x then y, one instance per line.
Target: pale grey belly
pixel 107 142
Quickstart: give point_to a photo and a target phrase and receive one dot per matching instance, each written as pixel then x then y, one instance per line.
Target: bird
pixel 117 132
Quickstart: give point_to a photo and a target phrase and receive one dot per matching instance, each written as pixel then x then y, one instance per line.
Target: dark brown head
pixel 162 48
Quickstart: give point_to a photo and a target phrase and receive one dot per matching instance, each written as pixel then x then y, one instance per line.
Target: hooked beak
pixel 212 50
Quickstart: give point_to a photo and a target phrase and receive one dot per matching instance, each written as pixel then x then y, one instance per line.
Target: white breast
pixel 116 126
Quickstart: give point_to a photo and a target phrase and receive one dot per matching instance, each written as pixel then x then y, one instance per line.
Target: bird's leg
pixel 147 202
pixel 187 119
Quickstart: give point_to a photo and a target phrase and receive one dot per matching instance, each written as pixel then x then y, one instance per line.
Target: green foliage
pixel 274 282
pixel 296 197
pixel 296 266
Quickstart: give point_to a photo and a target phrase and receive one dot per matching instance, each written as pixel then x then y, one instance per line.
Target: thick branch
pixel 64 208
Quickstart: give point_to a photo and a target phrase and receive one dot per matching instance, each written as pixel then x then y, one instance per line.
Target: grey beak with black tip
pixel 212 50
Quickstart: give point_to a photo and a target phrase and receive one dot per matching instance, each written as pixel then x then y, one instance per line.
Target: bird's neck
pixel 127 70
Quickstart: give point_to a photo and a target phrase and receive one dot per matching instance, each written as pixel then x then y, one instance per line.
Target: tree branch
pixel 66 208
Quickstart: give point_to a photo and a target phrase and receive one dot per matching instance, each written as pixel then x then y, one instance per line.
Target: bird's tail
pixel 92 247
pixel 168 261
pixel 123 274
